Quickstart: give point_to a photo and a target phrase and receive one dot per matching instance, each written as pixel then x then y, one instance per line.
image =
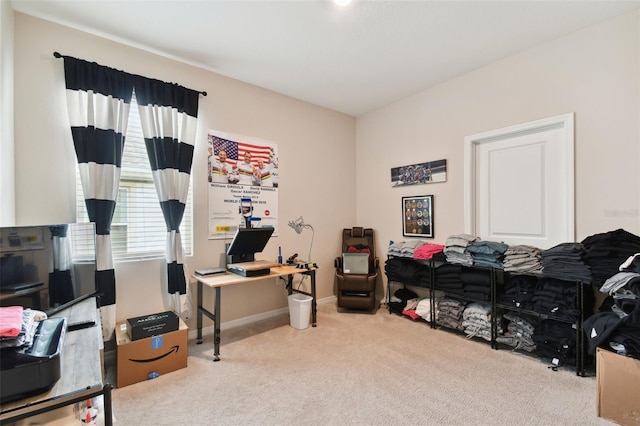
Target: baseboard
pixel 227 325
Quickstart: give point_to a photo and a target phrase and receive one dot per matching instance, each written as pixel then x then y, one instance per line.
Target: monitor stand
pixel 239 258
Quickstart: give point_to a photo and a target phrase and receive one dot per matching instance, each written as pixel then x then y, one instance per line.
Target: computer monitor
pixel 246 243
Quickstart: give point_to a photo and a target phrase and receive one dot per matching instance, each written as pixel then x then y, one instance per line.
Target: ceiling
pixel 351 59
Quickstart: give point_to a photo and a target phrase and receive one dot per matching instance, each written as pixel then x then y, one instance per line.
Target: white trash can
pixel 299 310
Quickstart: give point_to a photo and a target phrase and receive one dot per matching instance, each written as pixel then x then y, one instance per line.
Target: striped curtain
pixel 168 114
pixel 98 100
pixel 61 280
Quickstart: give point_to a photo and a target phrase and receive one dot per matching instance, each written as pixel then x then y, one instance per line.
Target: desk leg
pixel 314 306
pixel 199 314
pixel 108 407
pixel 216 325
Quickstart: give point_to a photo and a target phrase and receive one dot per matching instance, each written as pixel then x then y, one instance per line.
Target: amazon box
pixel 148 358
pixel 151 325
pixel 618 380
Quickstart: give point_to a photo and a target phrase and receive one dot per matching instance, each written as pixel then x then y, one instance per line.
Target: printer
pixel 33 369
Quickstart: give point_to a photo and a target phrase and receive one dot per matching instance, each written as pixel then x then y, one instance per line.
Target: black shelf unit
pixel 496 282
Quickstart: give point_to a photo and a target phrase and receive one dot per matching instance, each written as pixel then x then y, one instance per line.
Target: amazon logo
pixel 173 349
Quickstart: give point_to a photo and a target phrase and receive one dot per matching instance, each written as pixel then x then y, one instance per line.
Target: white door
pixel 519 186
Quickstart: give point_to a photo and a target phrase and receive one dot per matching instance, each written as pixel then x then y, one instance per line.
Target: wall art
pixel 417 216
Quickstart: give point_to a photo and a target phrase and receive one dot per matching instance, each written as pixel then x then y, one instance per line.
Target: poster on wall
pixel 417 216
pixel 243 183
pixel 427 172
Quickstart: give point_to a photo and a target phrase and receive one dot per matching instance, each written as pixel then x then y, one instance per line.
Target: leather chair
pixel 356 290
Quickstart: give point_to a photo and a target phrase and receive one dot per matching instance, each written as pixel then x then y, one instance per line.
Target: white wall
pixel 593 72
pixel 7 199
pixel 315 148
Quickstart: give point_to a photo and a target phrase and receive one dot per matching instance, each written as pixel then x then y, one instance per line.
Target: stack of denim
pixel 487 254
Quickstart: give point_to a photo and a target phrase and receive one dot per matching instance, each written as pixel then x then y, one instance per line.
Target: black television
pixel 246 242
pixel 47 267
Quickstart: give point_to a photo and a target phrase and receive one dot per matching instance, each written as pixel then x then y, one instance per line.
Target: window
pixel 138 230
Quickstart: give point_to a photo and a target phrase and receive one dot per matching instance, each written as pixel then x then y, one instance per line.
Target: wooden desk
pixel 80 367
pixel 218 281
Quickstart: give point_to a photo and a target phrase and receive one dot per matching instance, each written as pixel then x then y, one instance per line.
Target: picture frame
pixel 421 173
pixel 417 216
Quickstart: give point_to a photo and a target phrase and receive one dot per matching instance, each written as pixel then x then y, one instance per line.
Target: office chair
pixel 357 288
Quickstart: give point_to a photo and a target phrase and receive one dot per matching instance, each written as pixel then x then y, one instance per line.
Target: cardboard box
pixel 618 387
pixel 152 325
pixel 139 360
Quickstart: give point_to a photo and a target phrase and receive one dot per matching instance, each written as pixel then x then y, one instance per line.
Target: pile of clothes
pixel 557 341
pixel 606 251
pixel 476 320
pixel 519 333
pixel 518 291
pixel 455 249
pixel 565 262
pixel 487 254
pixel 449 313
pixel 523 259
pixel 477 284
pixel 556 298
pixel 407 271
pixel 18 326
pixel 449 279
pixel 618 328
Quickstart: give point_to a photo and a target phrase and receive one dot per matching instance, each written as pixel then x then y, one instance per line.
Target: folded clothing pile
pixel 449 313
pixel 557 341
pixel 519 291
pixel 519 333
pixel 476 320
pixel 565 262
pixel 18 326
pixel 449 279
pixel 455 249
pixel 523 259
pixel 487 254
pixel 476 284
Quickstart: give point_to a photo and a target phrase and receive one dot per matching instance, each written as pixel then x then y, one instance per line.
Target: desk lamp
pixel 298 225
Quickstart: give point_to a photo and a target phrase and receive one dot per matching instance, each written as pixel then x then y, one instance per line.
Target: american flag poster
pixel 242 173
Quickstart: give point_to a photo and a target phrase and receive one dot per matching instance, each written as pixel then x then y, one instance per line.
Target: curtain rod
pixel 58 55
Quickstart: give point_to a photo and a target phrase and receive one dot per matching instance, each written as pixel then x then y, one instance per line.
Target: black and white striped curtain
pixel 61 280
pixel 98 99
pixel 168 114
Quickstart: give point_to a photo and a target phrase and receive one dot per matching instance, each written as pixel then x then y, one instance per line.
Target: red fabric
pixel 352 249
pixel 10 321
pixel 411 313
pixel 427 251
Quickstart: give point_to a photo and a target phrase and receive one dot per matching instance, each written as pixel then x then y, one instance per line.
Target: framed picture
pixel 417 216
pixel 414 174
